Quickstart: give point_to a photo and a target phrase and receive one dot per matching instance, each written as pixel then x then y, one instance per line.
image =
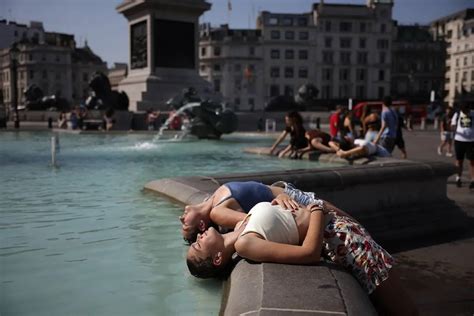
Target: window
pixel 275 72
pixel 273 21
pixel 464 76
pixel 362 27
pixel 252 51
pixel 22 75
pixel 43 57
pixel 217 85
pixel 58 76
pixel 382 57
pixel 303 54
pixel 85 76
pixel 275 34
pixel 345 27
pixel 216 67
pixel 289 35
pixel 274 90
pixel 303 73
pixel 58 58
pixel 203 51
pixel 360 92
pixel 327 42
pixel 343 91
pixel 251 103
pixel 275 54
pixel 327 74
pixel 381 75
pixel 289 91
pixel 457 62
pixel 289 72
pixel 344 74
pixel 362 42
pixel 362 58
pixel 237 102
pixel 289 54
pixel 203 69
pixel 30 57
pixel 465 61
pixel 383 28
pixel 32 74
pixel 327 26
pixel 302 21
pixel 456 77
pixel 381 92
pixel 237 84
pixel 304 36
pixel 217 51
pixel 345 58
pixel 45 74
pixel 327 57
pixel 327 92
pixel 237 68
pixel 382 44
pixel 361 74
pixel 345 42
pixel 287 21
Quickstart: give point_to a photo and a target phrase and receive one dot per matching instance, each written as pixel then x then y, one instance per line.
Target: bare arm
pixel 379 134
pixel 278 141
pixel 226 217
pixel 253 247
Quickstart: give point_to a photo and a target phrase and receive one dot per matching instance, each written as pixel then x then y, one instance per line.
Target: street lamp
pixel 14 53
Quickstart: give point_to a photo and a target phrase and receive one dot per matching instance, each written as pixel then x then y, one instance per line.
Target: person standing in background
pixel 446 132
pixel 388 131
pixel 463 126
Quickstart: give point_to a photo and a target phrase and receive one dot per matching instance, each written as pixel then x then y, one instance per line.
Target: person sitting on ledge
pixel 317 140
pixel 363 148
pixel 294 127
pixel 271 233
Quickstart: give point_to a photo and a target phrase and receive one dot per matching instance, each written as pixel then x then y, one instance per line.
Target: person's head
pixel 195 219
pixel 339 108
pixel 387 101
pixel 294 119
pixel 207 257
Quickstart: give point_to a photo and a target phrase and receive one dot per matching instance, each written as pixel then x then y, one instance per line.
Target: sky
pixel 106 31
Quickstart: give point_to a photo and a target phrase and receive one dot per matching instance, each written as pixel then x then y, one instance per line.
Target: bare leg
pixel 404 153
pixel 354 152
pixel 334 145
pixel 391 299
pixel 450 145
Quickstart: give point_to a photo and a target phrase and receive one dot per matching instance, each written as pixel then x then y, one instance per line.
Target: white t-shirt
pixel 464 127
pixel 372 148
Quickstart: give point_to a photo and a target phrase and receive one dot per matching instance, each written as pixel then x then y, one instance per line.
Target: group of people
pixel 281 224
pixel 76 119
pixel 379 134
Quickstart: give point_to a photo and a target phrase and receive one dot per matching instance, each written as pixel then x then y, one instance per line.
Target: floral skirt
pixel 347 243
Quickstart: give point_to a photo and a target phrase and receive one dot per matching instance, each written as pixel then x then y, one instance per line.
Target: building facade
pixel 344 50
pixel 418 64
pixel 457 31
pixel 232 61
pixel 49 60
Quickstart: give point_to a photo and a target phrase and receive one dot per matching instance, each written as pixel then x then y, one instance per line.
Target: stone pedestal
pixel 164 37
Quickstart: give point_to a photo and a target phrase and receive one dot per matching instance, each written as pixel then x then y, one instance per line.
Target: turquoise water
pixel 83 238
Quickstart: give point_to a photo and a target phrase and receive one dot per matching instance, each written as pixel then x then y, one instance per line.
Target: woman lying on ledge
pixel 360 148
pixel 231 202
pixel 272 234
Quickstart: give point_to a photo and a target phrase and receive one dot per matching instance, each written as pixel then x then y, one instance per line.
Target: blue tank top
pixel 248 194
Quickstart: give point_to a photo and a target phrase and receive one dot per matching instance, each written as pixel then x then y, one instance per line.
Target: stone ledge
pixel 279 289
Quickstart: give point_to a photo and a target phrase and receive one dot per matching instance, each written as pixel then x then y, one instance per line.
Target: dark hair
pixel 387 100
pixel 192 236
pixel 206 269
